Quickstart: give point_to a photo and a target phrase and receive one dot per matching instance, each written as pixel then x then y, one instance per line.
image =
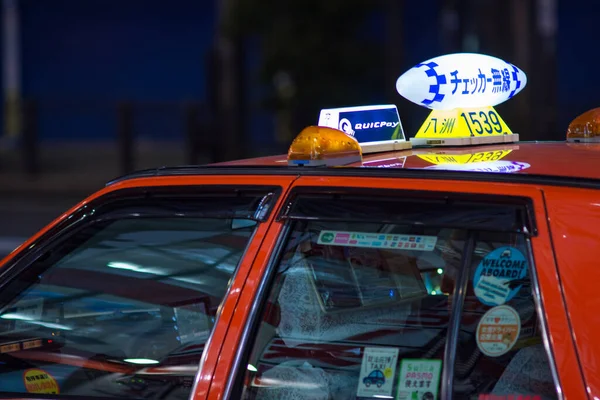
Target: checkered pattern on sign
pixel 515 76
pixel 435 88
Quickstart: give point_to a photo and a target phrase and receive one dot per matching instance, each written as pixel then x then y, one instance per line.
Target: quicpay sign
pixel 365 123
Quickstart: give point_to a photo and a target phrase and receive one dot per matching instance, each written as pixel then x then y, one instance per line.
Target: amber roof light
pixel 585 128
pixel 322 146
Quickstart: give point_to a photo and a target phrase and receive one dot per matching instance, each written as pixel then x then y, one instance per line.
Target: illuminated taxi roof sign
pixel 462 90
pixel 376 128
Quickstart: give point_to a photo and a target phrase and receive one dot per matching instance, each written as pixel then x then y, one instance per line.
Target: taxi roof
pixel 555 163
pixel 557 159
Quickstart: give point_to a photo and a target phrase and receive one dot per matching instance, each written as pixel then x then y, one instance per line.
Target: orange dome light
pixel 585 128
pixel 321 146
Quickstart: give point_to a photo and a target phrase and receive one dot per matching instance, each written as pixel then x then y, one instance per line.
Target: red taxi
pixel 433 272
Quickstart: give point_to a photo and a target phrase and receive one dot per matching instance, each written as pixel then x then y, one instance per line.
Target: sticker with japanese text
pixel 498 331
pixel 40 381
pixel 499 276
pixel 419 379
pixel 377 372
pixel 377 240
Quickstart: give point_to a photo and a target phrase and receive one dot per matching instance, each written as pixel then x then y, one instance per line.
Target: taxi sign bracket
pixel 468 141
pixel 385 145
pixel 583 139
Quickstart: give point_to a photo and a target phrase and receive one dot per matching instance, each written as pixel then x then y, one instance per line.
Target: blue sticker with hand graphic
pixel 498 277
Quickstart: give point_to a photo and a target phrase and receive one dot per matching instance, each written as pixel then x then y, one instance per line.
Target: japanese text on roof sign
pixel 492 80
pixel 480 123
pixel 462 80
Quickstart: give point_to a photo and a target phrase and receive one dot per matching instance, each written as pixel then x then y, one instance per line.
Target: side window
pixel 123 309
pixel 362 310
pixel 500 351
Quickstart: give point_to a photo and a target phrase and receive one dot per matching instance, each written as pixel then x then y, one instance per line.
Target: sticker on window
pixel 192 322
pixel 498 331
pixel 377 372
pixel 419 379
pixel 498 277
pixel 39 381
pixel 377 240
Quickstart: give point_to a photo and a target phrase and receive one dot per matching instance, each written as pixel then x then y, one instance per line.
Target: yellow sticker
pixel 388 373
pixel 39 381
pixel 462 123
pixel 482 156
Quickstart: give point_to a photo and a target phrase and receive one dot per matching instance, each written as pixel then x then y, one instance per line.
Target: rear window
pixel 360 308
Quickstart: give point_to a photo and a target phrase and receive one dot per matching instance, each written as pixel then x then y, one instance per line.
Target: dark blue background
pixel 79 57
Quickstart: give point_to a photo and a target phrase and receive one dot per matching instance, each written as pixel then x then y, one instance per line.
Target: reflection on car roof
pixel 576 160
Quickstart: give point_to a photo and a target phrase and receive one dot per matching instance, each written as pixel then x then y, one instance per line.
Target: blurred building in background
pixel 96 88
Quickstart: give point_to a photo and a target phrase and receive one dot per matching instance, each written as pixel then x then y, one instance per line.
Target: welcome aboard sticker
pixel 498 276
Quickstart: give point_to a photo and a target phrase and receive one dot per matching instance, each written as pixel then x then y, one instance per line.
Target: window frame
pixel 235 384
pixel 109 207
pixel 436 199
pixel 89 214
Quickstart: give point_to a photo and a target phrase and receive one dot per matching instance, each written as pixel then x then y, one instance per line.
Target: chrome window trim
pixel 263 286
pixel 539 308
pixel 447 381
pixel 210 339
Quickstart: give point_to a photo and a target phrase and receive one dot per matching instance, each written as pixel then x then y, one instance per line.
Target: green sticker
pixel 419 379
pixel 326 237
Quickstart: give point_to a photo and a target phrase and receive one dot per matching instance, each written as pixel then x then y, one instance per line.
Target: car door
pixel 130 292
pixel 402 288
pixel 574 215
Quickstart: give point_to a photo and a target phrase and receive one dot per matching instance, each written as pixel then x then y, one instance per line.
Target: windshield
pixel 126 312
